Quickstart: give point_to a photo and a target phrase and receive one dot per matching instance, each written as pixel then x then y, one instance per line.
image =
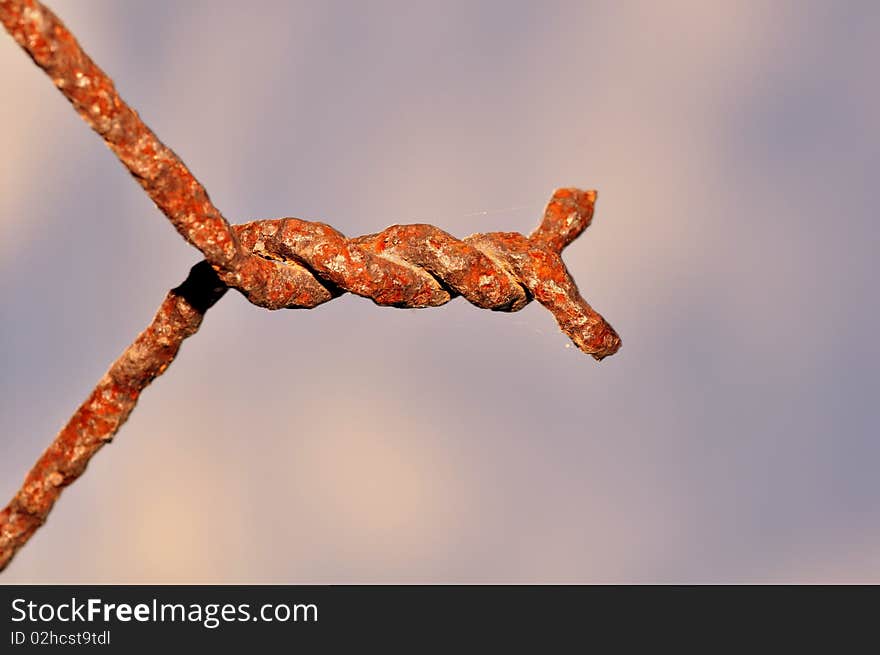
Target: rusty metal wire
pixel 423 266
pixel 107 407
pixel 161 173
pixel 279 263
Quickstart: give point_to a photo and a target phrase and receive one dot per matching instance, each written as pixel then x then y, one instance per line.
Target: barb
pixel 423 266
pixel 107 407
pixel 281 263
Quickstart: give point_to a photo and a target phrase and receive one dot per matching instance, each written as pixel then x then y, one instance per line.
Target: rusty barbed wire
pixel 276 263
pixel 423 266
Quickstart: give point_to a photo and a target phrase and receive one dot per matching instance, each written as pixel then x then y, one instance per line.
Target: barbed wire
pixel 277 263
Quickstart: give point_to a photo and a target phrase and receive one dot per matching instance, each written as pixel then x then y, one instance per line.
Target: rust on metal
pixel 107 407
pixel 161 173
pixel 92 93
pixel 423 266
pixel 278 263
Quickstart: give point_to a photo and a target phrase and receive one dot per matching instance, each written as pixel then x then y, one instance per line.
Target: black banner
pixel 126 617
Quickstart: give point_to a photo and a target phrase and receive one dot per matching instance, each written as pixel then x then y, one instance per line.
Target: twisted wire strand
pixel 422 266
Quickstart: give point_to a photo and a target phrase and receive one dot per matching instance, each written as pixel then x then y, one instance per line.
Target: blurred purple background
pixel 735 147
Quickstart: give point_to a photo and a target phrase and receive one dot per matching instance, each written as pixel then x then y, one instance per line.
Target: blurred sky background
pixel 735 147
